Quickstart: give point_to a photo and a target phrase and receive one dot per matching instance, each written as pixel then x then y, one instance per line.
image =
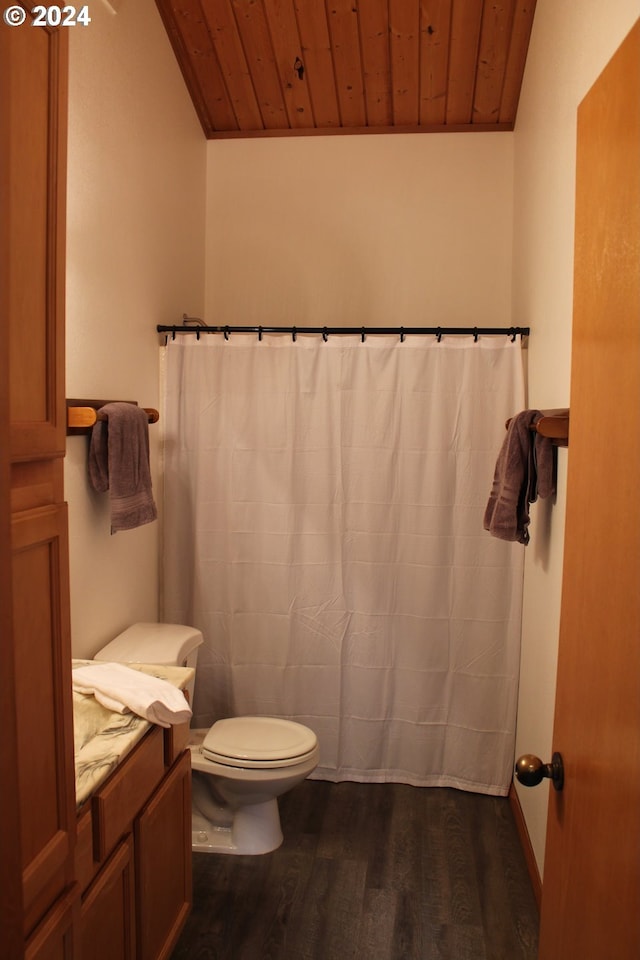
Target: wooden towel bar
pixel 82 414
pixel 553 424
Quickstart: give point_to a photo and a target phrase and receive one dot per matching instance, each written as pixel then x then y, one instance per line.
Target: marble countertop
pixel 101 738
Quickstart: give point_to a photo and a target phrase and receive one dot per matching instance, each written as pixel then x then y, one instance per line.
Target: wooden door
pixel 591 887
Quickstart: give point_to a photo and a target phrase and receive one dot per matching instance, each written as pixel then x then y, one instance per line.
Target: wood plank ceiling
pixel 287 67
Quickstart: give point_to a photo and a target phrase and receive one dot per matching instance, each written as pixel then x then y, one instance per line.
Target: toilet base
pixel 255 829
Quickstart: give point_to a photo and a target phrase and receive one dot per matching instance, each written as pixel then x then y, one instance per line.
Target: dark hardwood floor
pixel 370 872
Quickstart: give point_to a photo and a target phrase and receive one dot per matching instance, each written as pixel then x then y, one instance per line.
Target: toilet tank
pixel 171 644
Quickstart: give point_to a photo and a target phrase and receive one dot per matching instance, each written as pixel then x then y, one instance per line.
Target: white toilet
pixel 240 765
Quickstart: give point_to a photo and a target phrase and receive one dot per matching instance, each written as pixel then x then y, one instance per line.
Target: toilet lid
pixel 252 741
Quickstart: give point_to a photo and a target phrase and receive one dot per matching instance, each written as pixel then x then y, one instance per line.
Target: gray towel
pixel 119 462
pixel 524 471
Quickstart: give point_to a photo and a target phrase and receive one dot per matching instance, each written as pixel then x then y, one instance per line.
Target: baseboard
pixel 525 841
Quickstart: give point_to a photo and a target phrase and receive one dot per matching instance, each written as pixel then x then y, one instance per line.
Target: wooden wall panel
pixel 434 59
pixel 233 65
pixel 497 24
pixel 345 45
pixel 466 22
pixel 404 24
pixel 258 49
pixel 316 55
pixel 376 62
pixel 514 70
pixel 286 41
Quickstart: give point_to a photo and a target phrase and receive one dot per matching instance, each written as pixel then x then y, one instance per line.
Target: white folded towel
pixel 120 688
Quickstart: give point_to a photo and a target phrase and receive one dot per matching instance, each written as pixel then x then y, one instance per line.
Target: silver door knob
pixel 531 771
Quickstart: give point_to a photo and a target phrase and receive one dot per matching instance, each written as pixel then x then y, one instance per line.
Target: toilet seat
pixel 258 742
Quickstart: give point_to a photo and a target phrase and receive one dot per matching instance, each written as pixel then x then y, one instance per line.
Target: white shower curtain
pixel 323 528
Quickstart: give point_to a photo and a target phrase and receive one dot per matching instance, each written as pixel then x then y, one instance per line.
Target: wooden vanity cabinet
pixel 133 857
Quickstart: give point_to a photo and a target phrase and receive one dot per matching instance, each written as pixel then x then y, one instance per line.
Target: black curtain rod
pixel 363 332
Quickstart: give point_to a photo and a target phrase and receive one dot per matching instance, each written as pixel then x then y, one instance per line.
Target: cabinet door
pixel 42 665
pixel 107 916
pixel 33 299
pixel 163 863
pixel 54 937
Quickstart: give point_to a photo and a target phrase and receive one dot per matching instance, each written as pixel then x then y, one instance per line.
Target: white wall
pixel 374 230
pixel 136 186
pixel 570 44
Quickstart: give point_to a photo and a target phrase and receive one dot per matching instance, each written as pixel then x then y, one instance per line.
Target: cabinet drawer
pixel 126 791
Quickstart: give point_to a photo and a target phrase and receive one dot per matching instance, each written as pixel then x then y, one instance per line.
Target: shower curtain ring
pixel 475 334
pixel 439 334
pixel 226 333
pixel 401 334
pixel 294 334
pixel 363 334
pixel 259 333
pixel 325 334
pixel 513 334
